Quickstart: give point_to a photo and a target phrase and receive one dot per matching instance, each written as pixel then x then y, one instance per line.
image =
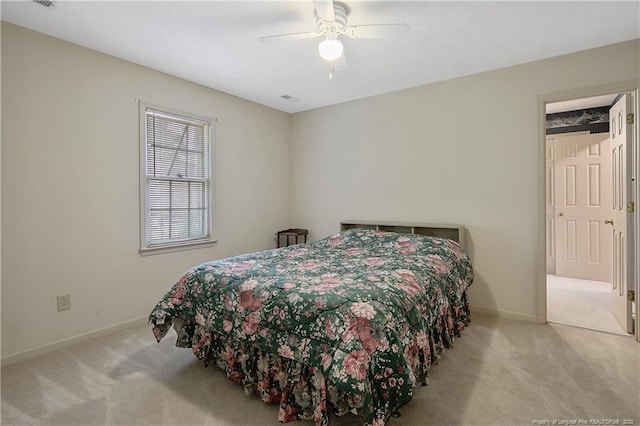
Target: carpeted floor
pixel 581 303
pixel 500 372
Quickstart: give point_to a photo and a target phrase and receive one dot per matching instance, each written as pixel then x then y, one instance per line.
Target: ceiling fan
pixel 331 22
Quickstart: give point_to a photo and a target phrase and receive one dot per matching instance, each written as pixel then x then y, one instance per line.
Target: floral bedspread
pixel 350 322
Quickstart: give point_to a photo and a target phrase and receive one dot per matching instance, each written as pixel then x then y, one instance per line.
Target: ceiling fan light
pixel 330 50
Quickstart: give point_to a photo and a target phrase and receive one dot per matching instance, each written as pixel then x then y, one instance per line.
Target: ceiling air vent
pixel 46 3
pixel 289 98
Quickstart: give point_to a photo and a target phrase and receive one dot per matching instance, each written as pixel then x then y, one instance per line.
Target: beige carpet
pixel 581 303
pixel 499 372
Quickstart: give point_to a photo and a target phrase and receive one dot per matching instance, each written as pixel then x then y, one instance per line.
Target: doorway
pixel 578 196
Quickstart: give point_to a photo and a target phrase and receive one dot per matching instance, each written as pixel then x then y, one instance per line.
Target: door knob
pixel 609 221
pixel 560 214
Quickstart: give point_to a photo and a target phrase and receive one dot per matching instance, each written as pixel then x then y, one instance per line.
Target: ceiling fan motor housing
pixel 337 26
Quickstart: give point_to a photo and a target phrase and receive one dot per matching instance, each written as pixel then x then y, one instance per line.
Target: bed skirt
pixel 303 392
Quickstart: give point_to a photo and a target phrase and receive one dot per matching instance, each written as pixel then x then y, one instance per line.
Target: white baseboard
pixel 502 314
pixel 60 344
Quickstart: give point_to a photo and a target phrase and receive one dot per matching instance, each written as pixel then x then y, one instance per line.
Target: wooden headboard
pixel 452 232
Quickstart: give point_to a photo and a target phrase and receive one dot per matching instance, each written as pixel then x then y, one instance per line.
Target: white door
pixel 550 205
pixel 583 204
pixel 621 224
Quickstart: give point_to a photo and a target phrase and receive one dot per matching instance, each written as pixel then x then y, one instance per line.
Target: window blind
pixel 177 178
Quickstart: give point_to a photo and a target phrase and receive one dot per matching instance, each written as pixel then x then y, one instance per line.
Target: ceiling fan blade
pixel 379 31
pixel 325 10
pixel 287 37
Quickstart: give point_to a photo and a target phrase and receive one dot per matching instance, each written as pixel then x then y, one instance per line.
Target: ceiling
pixel 583 103
pixel 215 43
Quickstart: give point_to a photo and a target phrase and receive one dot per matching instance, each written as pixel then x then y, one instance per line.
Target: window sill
pixel 161 249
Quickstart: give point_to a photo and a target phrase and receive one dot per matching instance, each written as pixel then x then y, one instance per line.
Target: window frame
pixel 146 246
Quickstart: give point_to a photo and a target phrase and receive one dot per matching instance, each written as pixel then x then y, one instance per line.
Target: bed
pixel 348 323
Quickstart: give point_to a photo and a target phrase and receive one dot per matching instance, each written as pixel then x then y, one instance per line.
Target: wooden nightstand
pixel 290 233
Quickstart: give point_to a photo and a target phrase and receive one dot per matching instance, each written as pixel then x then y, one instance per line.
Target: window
pixel 175 178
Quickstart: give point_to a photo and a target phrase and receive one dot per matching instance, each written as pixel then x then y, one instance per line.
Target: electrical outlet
pixel 64 303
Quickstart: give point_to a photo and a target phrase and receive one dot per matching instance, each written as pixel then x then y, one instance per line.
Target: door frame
pixel 541 263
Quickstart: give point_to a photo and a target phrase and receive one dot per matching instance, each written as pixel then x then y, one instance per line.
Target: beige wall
pixel 0 180
pixel 70 186
pixel 465 151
